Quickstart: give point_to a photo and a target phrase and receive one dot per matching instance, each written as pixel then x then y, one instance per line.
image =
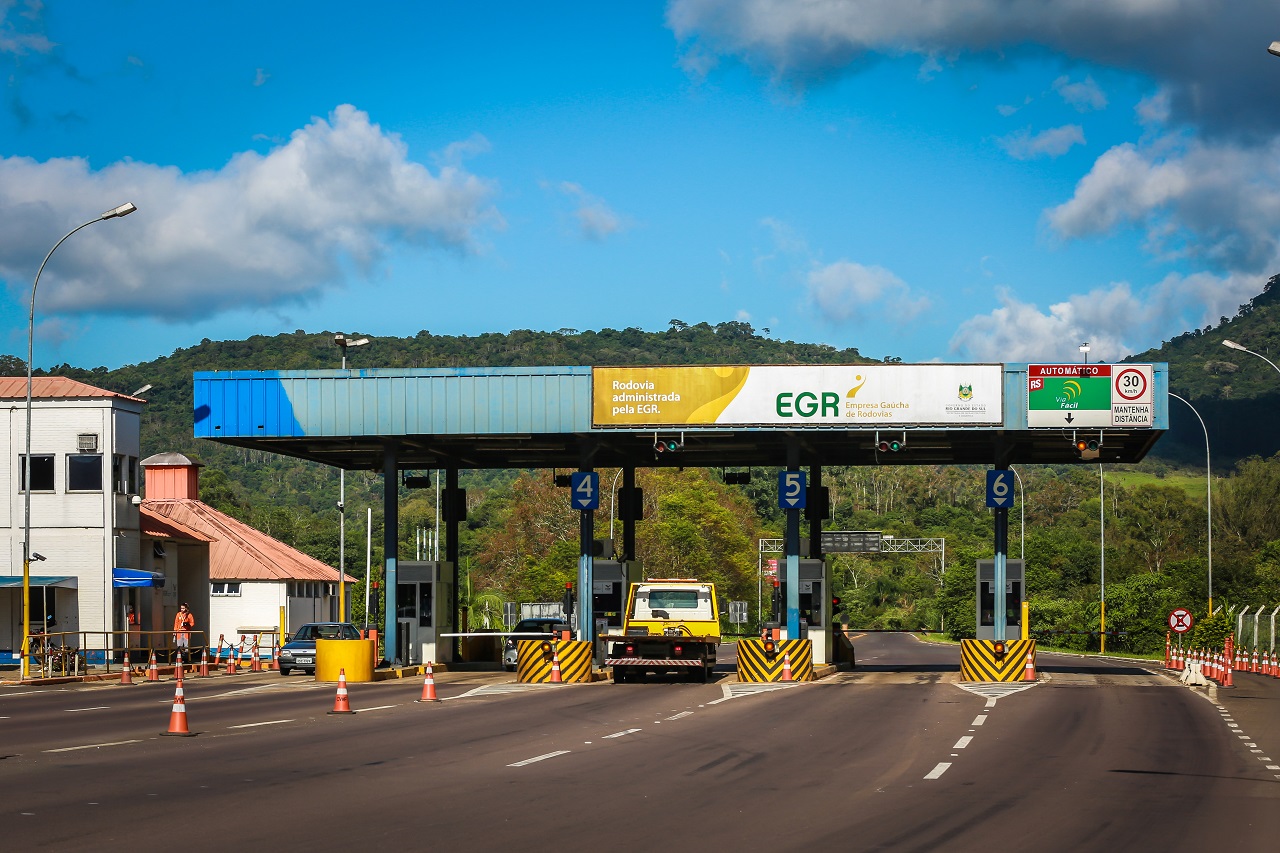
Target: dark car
pixel 530 629
pixel 300 651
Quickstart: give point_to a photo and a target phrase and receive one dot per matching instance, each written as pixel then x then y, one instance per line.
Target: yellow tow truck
pixel 671 625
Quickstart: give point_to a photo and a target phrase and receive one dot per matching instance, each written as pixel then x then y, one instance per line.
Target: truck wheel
pixel 619 675
pixel 702 675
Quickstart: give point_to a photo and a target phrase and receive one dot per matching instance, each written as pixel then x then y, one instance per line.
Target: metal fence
pixel 77 653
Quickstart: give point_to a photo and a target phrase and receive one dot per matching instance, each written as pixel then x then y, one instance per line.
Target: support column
pixel 451 550
pixel 628 518
pixel 792 547
pixel 1000 572
pixel 815 517
pixel 586 535
pixel 390 540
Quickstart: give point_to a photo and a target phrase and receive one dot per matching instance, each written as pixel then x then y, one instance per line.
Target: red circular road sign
pixel 1131 383
pixel 1180 620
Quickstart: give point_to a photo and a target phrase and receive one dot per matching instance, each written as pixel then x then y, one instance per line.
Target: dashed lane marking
pixel 94 708
pixel 375 708
pixel 678 716
pixel 937 771
pixel 963 742
pixel 537 758
pixel 254 725
pixel 979 720
pixel 495 690
pixel 621 734
pixel 93 745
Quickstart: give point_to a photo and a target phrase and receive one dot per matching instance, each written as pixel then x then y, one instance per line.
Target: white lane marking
pixel 1234 725
pixel 979 720
pixel 1273 766
pixel 938 771
pixel 495 690
pixel 681 714
pixel 1255 750
pixel 92 746
pixel 540 758
pixel 252 725
pixel 620 734
pixel 94 708
pixel 991 703
pixel 963 742
pixel 1250 744
pixel 375 708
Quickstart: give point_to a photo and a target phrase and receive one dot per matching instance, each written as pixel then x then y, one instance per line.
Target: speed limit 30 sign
pixel 1132 398
pixel 1180 620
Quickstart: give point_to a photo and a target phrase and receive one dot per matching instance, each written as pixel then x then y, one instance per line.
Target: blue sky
pixel 924 179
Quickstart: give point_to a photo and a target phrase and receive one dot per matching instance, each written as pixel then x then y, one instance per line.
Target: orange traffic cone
pixel 786 667
pixel 126 675
pixel 178 718
pixel 217 659
pixel 153 671
pixel 1029 671
pixel 341 704
pixel 429 686
pixel 204 664
pixel 275 657
pixel 256 666
pixel 555 666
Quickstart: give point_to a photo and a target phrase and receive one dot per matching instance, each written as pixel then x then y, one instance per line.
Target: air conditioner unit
pixel 87 442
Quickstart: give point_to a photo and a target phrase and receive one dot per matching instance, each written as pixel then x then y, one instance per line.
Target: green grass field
pixel 1192 484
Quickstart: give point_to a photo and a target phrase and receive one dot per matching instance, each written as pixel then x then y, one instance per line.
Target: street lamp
pixel 1084 350
pixel 1208 492
pixel 1235 346
pixel 123 210
pixel 344 343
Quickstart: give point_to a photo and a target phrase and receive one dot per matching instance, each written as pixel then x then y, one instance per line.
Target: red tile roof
pixel 53 388
pixel 167 528
pixel 236 550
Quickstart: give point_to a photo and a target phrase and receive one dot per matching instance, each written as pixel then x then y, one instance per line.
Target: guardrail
pixel 60 654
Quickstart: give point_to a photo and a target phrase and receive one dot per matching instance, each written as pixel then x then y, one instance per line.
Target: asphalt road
pixel 892 756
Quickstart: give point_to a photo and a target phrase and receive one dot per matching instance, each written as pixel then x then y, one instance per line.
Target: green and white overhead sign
pixel 1090 395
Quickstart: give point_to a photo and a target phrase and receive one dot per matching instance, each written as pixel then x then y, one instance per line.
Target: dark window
pixel 121 482
pixel 424 605
pixel 41 473
pixel 84 472
pixel 405 603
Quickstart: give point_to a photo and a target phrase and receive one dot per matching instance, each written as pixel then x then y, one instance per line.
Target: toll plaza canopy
pixel 771 415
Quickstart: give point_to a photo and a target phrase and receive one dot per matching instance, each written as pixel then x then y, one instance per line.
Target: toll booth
pixel 424 592
pixel 611 579
pixel 1014 592
pixel 815 607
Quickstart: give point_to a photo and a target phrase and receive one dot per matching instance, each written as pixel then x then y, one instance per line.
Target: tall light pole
pixel 343 343
pixel 123 210
pixel 1208 493
pixel 1102 553
pixel 1235 346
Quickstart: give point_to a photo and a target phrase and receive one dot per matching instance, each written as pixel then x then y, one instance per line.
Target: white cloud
pixel 596 220
pixel 260 77
pixel 1115 320
pixel 263 230
pixel 22 32
pixel 1218 203
pixel 1085 95
pixel 455 153
pixel 848 292
pixel 1054 142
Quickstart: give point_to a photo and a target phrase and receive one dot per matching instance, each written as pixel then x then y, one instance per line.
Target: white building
pixel 84 475
pixel 232 576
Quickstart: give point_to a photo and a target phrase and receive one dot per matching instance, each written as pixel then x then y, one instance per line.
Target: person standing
pixel 182 625
pixel 134 641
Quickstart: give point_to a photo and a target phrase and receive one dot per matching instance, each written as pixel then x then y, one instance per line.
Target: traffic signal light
pixel 835 602
pixel 1087 448
pixel 891 445
pixel 998 650
pixel 770 648
pixel 567 601
pixel 667 445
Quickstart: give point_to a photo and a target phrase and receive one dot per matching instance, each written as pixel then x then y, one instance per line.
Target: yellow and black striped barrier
pixel 533 661
pixel 756 663
pixel 979 661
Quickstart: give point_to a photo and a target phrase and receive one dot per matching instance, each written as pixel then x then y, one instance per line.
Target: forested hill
pixel 1237 394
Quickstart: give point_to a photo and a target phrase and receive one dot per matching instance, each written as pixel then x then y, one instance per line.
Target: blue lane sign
pixel 1000 488
pixel 584 490
pixel 791 490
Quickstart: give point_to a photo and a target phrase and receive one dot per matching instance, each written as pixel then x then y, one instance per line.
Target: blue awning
pixel 12 581
pixel 135 577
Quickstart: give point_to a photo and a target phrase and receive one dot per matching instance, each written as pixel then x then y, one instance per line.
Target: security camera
pixel 341 506
pixel 39 558
pixel 136 500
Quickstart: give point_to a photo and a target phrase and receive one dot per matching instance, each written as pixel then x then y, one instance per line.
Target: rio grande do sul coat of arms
pixel 966 392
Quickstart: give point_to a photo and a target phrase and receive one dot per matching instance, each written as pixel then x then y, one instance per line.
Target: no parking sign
pixel 1180 620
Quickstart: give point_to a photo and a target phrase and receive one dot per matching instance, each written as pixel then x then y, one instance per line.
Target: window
pixel 84 472
pixel 224 589
pixel 124 474
pixel 41 473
